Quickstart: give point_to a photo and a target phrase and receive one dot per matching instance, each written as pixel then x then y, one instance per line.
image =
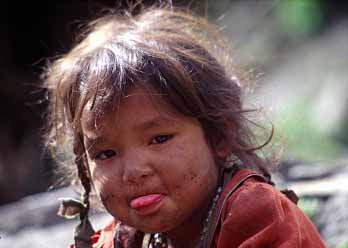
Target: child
pixel 157 128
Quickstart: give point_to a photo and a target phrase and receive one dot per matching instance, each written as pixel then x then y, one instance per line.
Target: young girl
pixel 157 129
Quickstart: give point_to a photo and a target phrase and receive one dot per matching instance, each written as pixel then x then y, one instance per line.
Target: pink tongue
pixel 144 201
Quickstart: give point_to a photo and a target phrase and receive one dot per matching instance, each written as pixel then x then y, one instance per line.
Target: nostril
pixel 136 174
pixel 137 166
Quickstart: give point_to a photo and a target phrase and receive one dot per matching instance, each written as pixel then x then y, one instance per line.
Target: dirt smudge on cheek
pixel 192 177
pixel 189 178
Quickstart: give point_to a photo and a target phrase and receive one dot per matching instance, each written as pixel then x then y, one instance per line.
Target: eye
pixel 160 139
pixel 105 155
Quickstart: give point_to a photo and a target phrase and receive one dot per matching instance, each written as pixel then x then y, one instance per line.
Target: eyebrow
pixel 155 122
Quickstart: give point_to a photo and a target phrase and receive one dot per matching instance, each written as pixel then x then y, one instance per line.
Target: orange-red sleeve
pixel 257 215
pixel 103 238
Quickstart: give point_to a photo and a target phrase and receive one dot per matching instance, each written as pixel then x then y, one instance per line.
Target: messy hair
pixel 180 55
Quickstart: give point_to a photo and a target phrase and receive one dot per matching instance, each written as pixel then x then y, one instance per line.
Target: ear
pixel 222 143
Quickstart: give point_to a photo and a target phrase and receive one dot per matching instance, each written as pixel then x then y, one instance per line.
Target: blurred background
pixel 299 46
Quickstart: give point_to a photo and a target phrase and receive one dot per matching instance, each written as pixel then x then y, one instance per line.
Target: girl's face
pixel 152 167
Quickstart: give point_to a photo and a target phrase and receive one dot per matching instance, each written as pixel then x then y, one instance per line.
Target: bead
pixel 210 214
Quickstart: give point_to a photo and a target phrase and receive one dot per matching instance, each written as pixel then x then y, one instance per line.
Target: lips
pixel 147 204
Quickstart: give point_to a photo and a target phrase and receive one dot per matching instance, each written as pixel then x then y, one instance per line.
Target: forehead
pixel 138 106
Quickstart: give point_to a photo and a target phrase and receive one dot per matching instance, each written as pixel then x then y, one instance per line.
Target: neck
pixel 189 233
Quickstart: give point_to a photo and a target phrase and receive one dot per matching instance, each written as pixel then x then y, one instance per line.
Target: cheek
pixel 111 197
pixel 106 185
pixel 194 166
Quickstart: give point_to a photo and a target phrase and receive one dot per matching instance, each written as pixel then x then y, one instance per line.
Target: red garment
pixel 258 215
pixel 254 214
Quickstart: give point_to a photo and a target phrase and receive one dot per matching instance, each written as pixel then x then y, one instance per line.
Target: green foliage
pixel 300 17
pixel 342 245
pixel 309 206
pixel 302 139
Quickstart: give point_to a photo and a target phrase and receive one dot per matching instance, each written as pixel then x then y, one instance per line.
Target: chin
pixel 154 228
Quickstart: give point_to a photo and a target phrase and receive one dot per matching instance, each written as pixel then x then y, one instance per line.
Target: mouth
pixel 147 204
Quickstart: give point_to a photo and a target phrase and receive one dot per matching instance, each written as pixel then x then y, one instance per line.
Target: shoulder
pixel 116 232
pixel 256 213
pixel 104 237
pixel 251 207
pixel 256 200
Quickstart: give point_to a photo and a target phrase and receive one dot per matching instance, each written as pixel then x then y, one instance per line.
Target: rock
pixel 33 223
pixel 332 220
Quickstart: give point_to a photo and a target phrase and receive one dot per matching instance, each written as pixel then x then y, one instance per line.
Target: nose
pixel 138 167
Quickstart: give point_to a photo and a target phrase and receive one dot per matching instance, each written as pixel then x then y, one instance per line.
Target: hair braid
pixel 82 171
pixel 84 230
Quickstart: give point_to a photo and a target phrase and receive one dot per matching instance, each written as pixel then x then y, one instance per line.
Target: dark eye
pixel 160 139
pixel 105 155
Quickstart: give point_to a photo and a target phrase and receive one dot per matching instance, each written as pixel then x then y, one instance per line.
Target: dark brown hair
pixel 172 51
